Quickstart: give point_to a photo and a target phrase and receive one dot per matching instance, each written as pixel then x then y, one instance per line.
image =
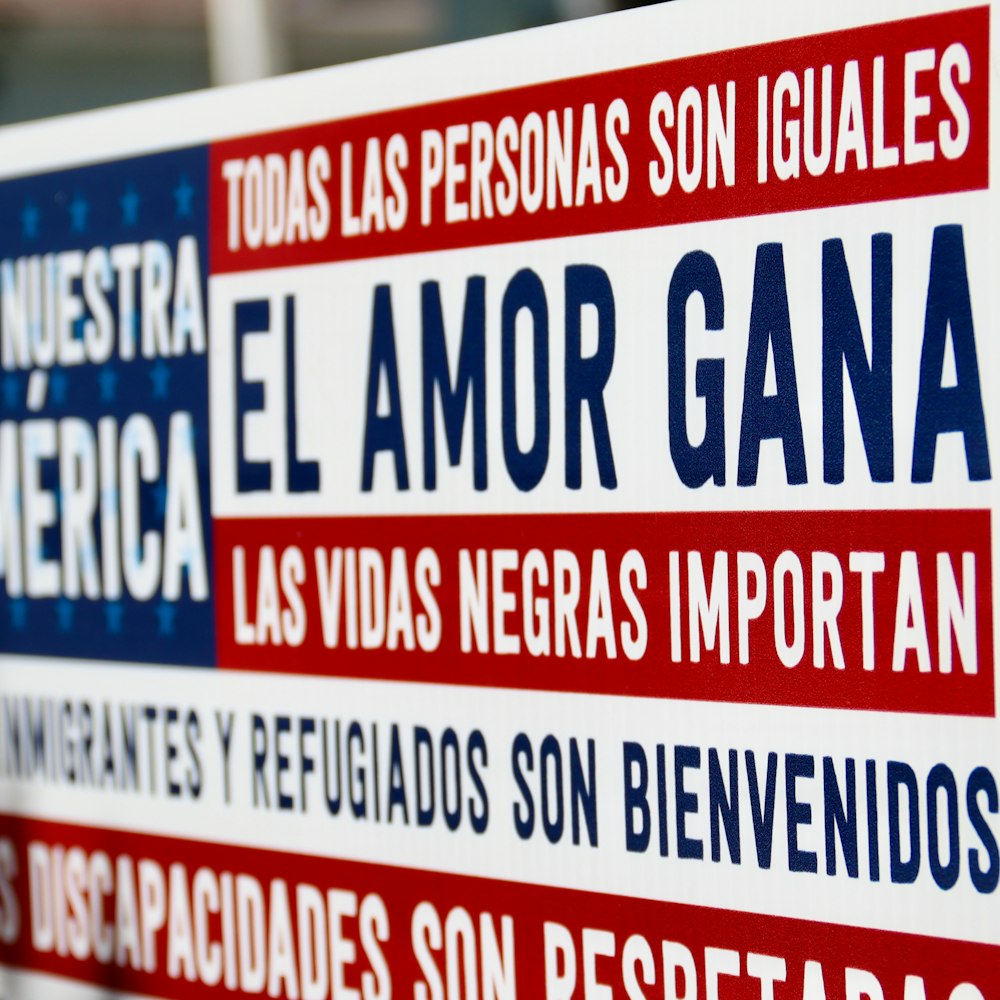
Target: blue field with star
pixel 161 197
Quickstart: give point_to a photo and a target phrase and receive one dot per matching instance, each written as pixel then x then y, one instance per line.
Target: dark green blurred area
pixel 58 56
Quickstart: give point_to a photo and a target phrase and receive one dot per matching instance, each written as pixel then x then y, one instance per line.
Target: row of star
pixel 114 613
pixel 13 387
pixel 79 209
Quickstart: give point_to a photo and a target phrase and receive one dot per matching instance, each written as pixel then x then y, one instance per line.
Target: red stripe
pixel 890 957
pixel 766 678
pixel 637 86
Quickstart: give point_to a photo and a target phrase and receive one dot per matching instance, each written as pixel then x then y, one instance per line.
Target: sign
pixel 512 520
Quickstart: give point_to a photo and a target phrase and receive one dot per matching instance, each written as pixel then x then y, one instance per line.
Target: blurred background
pixel 58 56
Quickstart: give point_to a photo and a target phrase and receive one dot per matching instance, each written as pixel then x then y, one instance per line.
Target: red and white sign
pixel 511 521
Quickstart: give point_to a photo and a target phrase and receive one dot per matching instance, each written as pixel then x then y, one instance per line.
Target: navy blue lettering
pixel 470 380
pixel 524 820
pixel 798 765
pixel 423 759
pixel 397 783
pixel 957 408
pixel 356 775
pixel 636 781
pixel 525 291
pixel 984 879
pixel 173 788
pixel 696 464
pixel 583 791
pixel 307 726
pixel 686 757
pixel 763 818
pixel 250 317
pixel 843 347
pixel 872 800
pixel 449 747
pixel 303 477
pixel 900 870
pixel 478 817
pixel 551 752
pixel 385 432
pixel 192 732
pixel 332 801
pixel 259 759
pixel 941 779
pixel 661 797
pixel 282 727
pixel 723 806
pixel 586 378
pixel 776 416
pixel 840 815
pixel 376 771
